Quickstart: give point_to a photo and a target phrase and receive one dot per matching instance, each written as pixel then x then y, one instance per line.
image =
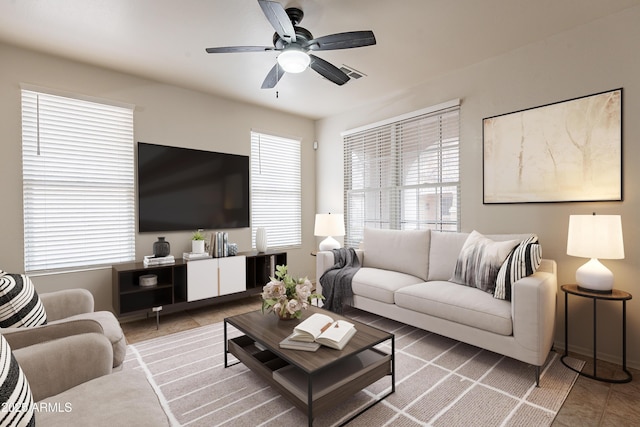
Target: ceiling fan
pixel 294 43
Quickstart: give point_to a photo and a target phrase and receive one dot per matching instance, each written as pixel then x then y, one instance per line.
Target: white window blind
pixel 276 189
pixel 78 182
pixel 403 174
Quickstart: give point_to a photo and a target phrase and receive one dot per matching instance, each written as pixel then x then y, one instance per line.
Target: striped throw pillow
pixel 523 261
pixel 20 304
pixel 15 394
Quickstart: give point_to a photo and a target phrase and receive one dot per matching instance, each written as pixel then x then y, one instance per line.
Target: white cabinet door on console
pixel 202 279
pixel 233 274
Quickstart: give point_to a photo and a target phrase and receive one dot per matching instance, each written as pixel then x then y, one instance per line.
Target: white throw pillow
pixel 443 254
pixel 405 251
pixel 480 260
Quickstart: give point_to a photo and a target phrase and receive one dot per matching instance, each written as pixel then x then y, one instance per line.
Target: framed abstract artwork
pixel 569 151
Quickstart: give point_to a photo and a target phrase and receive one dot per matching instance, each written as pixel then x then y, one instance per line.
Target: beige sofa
pixel 405 276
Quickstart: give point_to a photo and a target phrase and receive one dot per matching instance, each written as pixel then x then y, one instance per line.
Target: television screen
pixel 186 189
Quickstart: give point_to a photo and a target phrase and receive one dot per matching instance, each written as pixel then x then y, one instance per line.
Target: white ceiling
pixel 165 40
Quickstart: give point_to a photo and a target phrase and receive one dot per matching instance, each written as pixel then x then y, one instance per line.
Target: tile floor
pixel 590 403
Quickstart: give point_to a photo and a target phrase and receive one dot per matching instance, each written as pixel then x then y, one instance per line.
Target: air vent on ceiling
pixel 352 73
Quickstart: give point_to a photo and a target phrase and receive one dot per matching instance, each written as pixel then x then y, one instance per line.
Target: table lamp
pixel 595 236
pixel 329 225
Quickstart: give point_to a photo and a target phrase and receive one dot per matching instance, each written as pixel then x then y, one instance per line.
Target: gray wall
pixel 163 115
pixel 600 56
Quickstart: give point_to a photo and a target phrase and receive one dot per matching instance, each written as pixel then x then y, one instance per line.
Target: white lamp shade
pixel 294 60
pixel 595 236
pixel 329 225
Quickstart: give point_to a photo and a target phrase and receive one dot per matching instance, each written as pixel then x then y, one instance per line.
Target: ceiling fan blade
pixel 328 70
pixel 279 20
pixel 234 49
pixel 346 40
pixel 273 77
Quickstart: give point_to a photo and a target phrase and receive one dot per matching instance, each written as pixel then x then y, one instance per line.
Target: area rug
pixel 439 382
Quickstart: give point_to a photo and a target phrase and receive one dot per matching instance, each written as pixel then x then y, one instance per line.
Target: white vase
pixel 261 239
pixel 197 246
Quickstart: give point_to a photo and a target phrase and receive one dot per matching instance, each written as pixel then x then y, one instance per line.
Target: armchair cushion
pixel 15 393
pixel 19 302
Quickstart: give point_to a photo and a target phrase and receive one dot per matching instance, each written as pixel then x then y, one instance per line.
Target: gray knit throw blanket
pixel 336 281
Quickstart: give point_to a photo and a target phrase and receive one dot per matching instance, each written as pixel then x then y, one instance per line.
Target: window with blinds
pixel 78 182
pixel 276 189
pixel 403 173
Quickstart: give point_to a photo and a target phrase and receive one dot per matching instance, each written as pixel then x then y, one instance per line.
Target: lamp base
pixel 329 244
pixel 594 277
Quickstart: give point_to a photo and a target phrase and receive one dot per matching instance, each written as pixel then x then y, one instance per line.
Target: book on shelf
pixel 322 329
pixel 298 345
pixel 153 260
pixel 188 256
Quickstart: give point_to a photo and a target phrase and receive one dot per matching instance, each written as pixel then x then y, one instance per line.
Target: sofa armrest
pixel 533 306
pixel 66 303
pixel 324 261
pixel 24 337
pixel 55 366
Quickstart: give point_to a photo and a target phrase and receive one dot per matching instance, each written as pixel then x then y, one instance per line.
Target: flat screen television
pixel 187 189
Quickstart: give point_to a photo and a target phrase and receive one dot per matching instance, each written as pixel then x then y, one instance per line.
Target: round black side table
pixel 614 295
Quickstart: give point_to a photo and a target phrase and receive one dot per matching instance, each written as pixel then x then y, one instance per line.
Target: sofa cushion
pixel 461 304
pixel 121 398
pixel 480 260
pixel 19 302
pixel 443 254
pixel 406 251
pixel 379 284
pixel 523 261
pixel 15 393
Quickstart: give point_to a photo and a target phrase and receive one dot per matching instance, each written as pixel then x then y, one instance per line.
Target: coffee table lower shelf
pixel 329 387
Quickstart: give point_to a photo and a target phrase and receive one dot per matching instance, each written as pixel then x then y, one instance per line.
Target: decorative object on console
pixel 197 242
pixel 595 236
pixel 153 260
pixel 220 244
pixel 261 239
pixel 286 296
pixel 329 225
pixel 232 249
pixel 161 248
pixel 148 280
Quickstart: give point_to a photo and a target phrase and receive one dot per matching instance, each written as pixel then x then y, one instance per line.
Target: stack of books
pixel 319 329
pixel 188 256
pixel 150 260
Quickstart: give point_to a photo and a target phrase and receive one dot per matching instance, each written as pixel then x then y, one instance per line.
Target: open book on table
pixel 324 330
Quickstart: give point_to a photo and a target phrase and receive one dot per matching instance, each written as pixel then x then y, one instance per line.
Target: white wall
pixel 597 57
pixel 164 114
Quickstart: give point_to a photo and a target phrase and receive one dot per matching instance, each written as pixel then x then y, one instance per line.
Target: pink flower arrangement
pixel 286 296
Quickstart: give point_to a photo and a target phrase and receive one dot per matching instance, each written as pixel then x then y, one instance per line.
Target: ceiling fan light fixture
pixel 294 60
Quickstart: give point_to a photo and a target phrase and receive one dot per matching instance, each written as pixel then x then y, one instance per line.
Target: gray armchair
pixel 70 312
pixel 73 374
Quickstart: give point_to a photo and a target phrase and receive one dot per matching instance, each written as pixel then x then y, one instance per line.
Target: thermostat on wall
pixel 148 280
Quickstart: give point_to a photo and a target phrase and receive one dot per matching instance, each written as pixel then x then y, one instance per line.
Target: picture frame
pixel 568 151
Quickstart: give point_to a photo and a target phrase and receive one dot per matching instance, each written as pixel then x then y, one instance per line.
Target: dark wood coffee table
pixel 312 381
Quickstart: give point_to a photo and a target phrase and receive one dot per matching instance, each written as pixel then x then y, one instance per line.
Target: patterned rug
pixel 439 382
